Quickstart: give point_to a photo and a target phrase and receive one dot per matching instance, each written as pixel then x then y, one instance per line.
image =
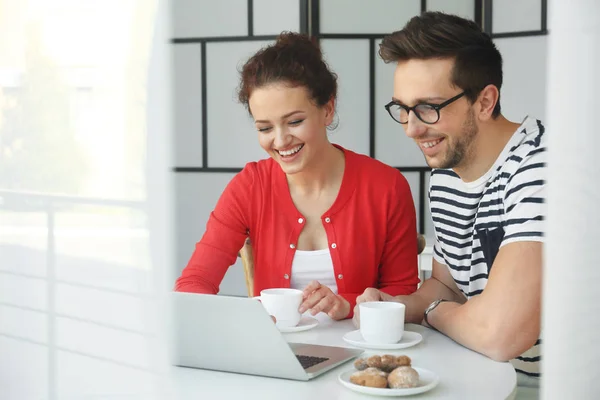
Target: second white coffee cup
pixel 283 304
pixel 382 322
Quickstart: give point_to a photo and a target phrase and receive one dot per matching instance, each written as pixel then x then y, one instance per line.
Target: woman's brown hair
pixel 293 59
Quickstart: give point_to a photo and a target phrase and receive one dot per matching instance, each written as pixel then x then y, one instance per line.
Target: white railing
pixel 23 202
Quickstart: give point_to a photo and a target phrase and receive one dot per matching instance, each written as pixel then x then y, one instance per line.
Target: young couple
pixel 341 226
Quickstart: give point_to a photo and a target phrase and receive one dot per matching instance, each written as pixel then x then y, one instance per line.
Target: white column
pixel 571 301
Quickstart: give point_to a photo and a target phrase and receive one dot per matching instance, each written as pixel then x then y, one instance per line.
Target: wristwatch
pixel 432 307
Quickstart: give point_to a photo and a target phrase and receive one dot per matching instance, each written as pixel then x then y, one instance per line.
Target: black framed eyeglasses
pixel 426 112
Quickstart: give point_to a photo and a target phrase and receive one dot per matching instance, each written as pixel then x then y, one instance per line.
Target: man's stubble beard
pixel 461 150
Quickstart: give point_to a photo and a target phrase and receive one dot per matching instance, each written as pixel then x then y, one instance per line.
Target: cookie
pixel 361 364
pixel 371 377
pixel 374 362
pixel 386 362
pixel 403 377
pixel 402 361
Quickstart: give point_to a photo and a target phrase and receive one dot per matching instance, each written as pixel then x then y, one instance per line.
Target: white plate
pixel 409 339
pixel 427 381
pixel 305 324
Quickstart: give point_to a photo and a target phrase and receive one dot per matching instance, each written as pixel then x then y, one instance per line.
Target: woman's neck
pixel 325 172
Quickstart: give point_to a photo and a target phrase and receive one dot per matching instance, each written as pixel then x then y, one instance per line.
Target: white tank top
pixel 310 266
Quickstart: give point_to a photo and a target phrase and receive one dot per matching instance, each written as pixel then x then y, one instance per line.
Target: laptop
pixel 236 334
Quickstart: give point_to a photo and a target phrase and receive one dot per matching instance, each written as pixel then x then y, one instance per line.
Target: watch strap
pixel 432 307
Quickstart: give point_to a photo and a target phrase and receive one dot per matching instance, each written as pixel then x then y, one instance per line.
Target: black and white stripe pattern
pixel 473 220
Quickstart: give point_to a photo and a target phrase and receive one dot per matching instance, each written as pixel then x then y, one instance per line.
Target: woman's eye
pixel 296 122
pixel 266 129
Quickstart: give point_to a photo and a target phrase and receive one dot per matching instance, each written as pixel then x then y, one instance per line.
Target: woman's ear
pixel 329 108
pixel 487 100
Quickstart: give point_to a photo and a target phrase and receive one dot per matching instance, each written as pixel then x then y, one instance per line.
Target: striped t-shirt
pixel 473 220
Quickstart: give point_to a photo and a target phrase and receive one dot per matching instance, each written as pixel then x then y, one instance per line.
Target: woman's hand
pixel 319 298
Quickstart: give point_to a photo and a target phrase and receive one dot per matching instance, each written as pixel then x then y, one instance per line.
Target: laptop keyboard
pixel 309 361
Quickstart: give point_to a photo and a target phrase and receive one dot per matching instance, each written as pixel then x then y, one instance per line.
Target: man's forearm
pixel 503 321
pixel 477 330
pixel 415 306
pixel 454 321
pixel 430 290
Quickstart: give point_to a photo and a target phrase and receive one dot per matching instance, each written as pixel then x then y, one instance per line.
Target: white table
pixel 464 374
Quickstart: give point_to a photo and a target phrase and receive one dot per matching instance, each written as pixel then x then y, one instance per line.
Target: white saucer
pixel 427 381
pixel 305 324
pixel 408 339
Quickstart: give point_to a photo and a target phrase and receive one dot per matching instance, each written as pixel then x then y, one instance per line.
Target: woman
pixel 320 218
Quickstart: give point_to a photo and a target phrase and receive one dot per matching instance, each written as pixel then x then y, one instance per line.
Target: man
pixel 487 191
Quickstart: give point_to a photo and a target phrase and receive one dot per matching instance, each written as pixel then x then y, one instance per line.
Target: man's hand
pixel 319 298
pixel 370 294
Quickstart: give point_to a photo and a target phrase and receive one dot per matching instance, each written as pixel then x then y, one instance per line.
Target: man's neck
pixel 326 172
pixel 491 140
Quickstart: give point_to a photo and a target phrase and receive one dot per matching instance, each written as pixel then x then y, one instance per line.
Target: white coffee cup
pixel 382 322
pixel 283 304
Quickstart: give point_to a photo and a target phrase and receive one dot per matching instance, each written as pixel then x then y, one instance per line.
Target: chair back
pixel 248 264
pixel 421 243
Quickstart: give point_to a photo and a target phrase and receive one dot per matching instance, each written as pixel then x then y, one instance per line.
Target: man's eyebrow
pixel 433 99
pixel 283 117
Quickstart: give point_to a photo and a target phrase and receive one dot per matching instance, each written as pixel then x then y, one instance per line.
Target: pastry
pixel 371 377
pixel 374 362
pixel 403 377
pixel 390 362
pixel 361 364
pixel 403 361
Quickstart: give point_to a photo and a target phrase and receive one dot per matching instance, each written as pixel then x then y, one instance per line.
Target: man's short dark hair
pixel 477 61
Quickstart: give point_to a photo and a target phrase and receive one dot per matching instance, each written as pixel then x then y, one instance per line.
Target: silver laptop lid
pixel 230 334
pixel 236 334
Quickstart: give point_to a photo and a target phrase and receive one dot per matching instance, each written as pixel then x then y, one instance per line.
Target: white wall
pixel 524 88
pixel 573 196
pixel 231 139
